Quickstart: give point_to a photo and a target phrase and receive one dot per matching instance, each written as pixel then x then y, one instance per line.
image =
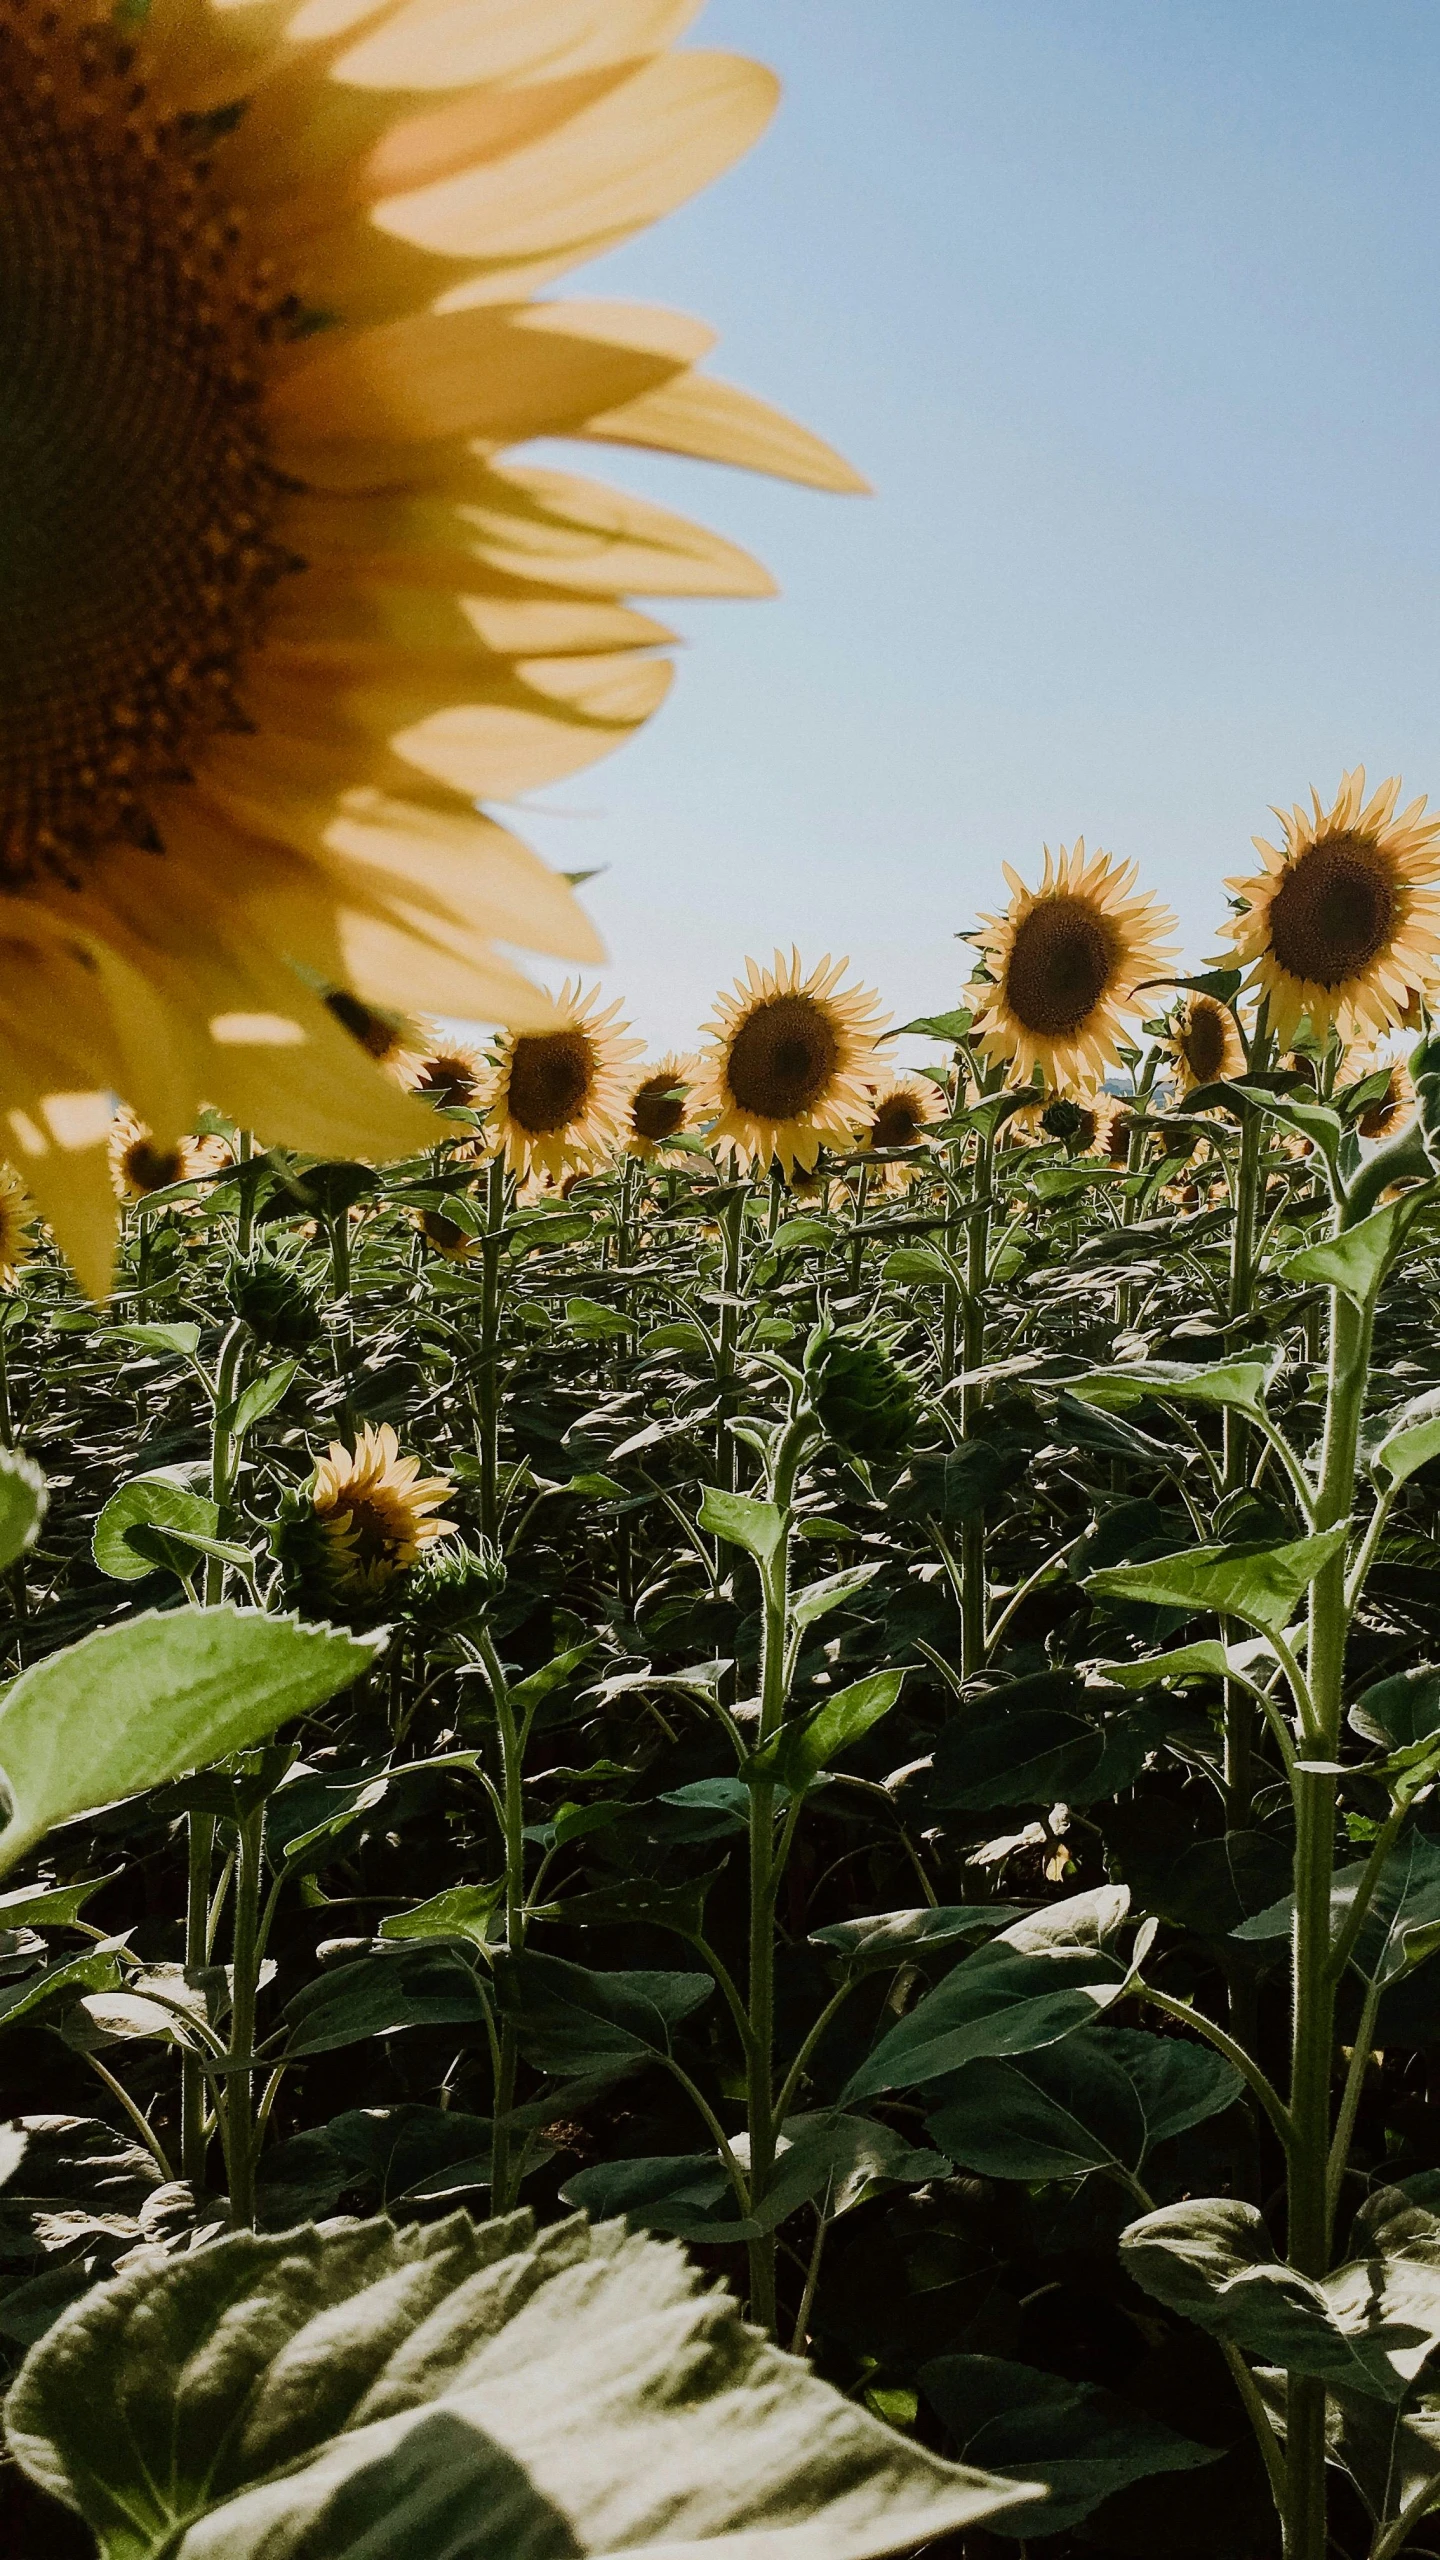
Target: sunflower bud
pixel 271 1297
pixel 859 1392
pixel 453 1586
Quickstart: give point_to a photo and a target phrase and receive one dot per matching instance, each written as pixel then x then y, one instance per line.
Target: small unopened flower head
pixel 858 1391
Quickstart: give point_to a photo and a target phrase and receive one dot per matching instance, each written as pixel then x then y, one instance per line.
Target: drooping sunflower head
pixel 1205 1042
pixel 1342 920
pixel 1063 964
pixel 375 1511
pixel 141 1164
pixel 277 613
pixel 17 1226
pixel 447 1073
pixel 784 1071
pixel 657 1107
pixel 898 1115
pixel 446 1236
pixel 553 1100
pixel 1385 1090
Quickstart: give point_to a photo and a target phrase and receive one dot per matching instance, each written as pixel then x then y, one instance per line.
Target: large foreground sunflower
pixel 553 1100
pixel 274 616
pixel 789 1062
pixel 1342 921
pixel 1064 961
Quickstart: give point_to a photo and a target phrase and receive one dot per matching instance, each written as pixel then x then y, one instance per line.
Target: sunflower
pixel 139 1164
pixel 658 1106
pixel 375 1510
pixel 897 1115
pixel 1063 964
pixel 553 1099
pixel 276 611
pixel 1342 921
pixel 785 1072
pixel 1083 1123
pixel 17 1227
pixel 1392 1107
pixel 1204 1042
pixel 444 1072
pixel 445 1236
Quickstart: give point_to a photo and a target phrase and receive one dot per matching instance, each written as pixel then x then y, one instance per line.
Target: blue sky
pixel 1129 315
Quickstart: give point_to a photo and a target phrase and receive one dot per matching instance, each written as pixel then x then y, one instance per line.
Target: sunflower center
pixel 153 1168
pixel 450 1081
pixel 1381 1116
pixel 552 1076
pixel 897 1121
pixel 1062 961
pixel 1335 910
pixel 136 498
pixel 657 1109
pixel 782 1058
pixel 372 1529
pixel 1202 1042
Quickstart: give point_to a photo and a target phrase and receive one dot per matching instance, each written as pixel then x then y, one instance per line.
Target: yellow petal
pixel 696 414
pixel 442 44
pixel 577 533
pixel 563 714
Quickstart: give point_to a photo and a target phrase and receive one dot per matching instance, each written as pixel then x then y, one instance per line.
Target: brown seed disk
pixel 898 1121
pixel 450 1081
pixel 657 1110
pixel 782 1057
pixel 379 1034
pixel 1062 962
pixel 1383 1115
pixel 137 499
pixel 1335 911
pixel 152 1168
pixel 1202 1040
pixel 552 1077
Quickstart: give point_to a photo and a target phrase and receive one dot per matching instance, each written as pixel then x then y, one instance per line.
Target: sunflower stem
pixel 492 1248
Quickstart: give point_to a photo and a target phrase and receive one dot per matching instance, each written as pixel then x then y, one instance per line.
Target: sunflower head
pixel 141 1164
pixel 657 1107
pixel 1204 1042
pixel 17 1226
pixel 453 1586
pixel 1341 921
pixel 784 1069
pixel 859 1393
pixel 367 1515
pixel 446 1236
pixel 273 1298
pixel 898 1115
pixel 1384 1090
pixel 1063 964
pixel 445 1073
pixel 553 1100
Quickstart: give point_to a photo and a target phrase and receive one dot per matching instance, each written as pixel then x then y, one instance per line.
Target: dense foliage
pixel 743 1827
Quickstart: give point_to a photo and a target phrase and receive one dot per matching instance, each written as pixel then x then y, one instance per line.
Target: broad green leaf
pixel 742 1522
pixel 832 1593
pixel 1041 1979
pixel 897 1937
pixel 470 1911
pixel 686 2194
pixel 793 1232
pixel 1208 1660
pixel 577 2023
pixel 97 1970
pixel 416 1986
pixel 1000 1755
pixel 130 1537
pixel 262 1396
pixel 1368 2327
pixel 1401 1713
pixel 459 2387
pixel 802 1748
pixel 531 1693
pixel 23 1498
pixel 39 1906
pixel 1356 1261
pixel 637 1903
pixel 912 1265
pixel 401 2160
pixel 1402 1923
pixel 1406 1441
pixel 593 1322
pixel 1260 1584
pixel 955 1484
pixel 1101 2100
pixel 939 1026
pixel 152 1699
pixel 680 1336
pixel 182 1341
pixel 1238 1383
pixel 1081 2442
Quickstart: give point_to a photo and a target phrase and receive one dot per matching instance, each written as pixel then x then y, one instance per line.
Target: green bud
pixel 274 1301
pixel 452 1586
pixel 858 1391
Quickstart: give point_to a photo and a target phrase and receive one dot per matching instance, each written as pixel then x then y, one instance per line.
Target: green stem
pixel 224 1450
pixel 238 2099
pixel 732 1230
pixel 245 1213
pixel 193 2145
pixel 504 2168
pixel 492 1247
pixel 973 1599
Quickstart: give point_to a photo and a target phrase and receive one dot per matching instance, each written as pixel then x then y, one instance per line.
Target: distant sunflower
pixel 897 1115
pixel 1082 1123
pixel 139 1164
pixel 446 1236
pixel 1205 1042
pixel 17 1227
pixel 554 1099
pixel 1064 962
pixel 375 1509
pixel 1342 922
pixel 275 614
pixel 789 1062
pixel 658 1106
pixel 448 1073
pixel 1390 1109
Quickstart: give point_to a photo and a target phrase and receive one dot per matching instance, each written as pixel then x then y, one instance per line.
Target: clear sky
pixel 1129 313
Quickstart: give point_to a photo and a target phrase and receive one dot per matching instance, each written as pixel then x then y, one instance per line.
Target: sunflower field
pixel 717 1771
